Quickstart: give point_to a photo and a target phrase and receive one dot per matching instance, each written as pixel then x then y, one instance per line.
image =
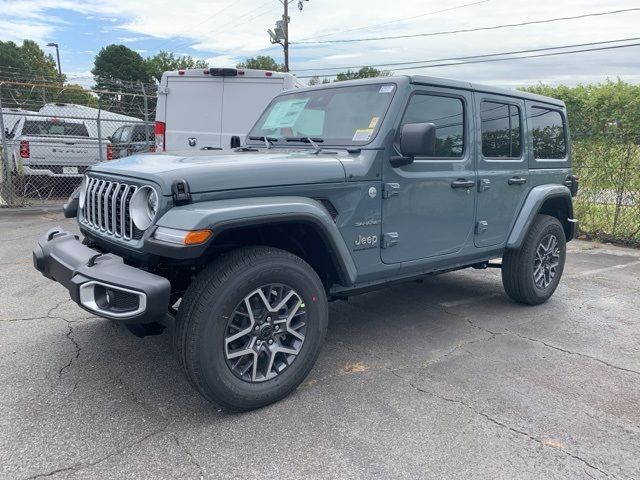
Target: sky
pixel 226 31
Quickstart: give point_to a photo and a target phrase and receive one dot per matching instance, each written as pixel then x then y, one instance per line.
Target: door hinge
pixel 163 90
pixel 482 226
pixel 390 190
pixel 484 184
pixel 389 239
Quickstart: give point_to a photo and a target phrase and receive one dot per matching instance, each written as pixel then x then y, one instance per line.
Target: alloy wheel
pixel 265 333
pixel 546 261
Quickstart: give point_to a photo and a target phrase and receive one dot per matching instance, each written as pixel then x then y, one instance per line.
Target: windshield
pixel 335 116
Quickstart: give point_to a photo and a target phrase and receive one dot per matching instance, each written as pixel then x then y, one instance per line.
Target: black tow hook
pixel 92 260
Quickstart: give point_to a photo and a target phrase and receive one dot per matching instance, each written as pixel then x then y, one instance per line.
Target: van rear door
pixel 245 98
pixel 193 111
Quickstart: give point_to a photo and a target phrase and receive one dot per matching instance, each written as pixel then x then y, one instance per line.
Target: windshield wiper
pixel 268 141
pixel 313 141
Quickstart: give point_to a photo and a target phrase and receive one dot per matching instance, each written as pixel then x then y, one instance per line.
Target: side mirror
pixel 235 142
pixel 416 139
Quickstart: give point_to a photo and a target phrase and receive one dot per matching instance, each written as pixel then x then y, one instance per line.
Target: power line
pixel 467 30
pixel 612 47
pixel 397 20
pixel 514 52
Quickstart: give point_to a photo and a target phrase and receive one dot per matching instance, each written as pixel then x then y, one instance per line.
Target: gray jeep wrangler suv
pixel 339 189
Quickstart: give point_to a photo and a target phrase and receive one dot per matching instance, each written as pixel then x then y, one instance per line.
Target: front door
pixel 502 167
pixel 429 204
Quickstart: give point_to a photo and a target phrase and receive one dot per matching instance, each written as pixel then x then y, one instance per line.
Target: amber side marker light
pixel 182 237
pixel 197 237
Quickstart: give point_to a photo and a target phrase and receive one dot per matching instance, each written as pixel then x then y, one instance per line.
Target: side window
pixel 116 135
pixel 548 134
pixel 501 132
pixel 126 133
pixel 447 114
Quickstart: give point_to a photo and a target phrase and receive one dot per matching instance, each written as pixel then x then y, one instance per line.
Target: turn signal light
pixel 182 237
pixel 197 237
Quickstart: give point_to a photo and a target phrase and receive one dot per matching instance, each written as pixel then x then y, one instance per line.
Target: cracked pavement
pixel 441 379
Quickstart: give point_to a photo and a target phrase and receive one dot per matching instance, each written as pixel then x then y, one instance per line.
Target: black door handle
pixel 462 183
pixel 517 181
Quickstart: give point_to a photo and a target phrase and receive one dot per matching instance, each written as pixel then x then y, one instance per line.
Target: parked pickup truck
pixel 134 138
pixel 341 189
pixel 54 147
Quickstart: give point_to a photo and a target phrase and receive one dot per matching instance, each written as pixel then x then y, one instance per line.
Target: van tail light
pixel 24 149
pixel 109 151
pixel 159 130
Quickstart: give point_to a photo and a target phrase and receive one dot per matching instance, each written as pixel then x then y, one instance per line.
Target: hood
pixel 212 171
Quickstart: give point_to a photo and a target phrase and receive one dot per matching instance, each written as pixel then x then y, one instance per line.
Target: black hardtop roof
pixel 443 82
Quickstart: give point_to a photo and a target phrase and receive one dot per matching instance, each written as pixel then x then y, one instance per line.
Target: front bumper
pixel 101 283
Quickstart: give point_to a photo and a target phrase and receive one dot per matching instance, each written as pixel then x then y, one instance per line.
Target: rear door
pixel 430 203
pixel 193 112
pixel 503 173
pixel 245 98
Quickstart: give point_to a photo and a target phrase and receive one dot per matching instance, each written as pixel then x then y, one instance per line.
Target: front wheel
pixel 531 274
pixel 250 327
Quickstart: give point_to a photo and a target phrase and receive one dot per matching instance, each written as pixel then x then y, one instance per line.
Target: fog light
pixel 112 301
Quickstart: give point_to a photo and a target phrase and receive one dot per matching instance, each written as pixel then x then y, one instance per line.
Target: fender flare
pixel 531 207
pixel 223 215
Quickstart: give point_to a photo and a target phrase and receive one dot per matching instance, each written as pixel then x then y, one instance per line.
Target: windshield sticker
pixel 386 88
pixel 362 135
pixel 285 114
pixel 374 121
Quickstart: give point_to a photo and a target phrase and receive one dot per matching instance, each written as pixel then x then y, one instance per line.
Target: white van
pixel 213 108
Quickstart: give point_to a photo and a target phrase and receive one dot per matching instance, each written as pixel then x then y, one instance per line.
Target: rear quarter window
pixel 549 134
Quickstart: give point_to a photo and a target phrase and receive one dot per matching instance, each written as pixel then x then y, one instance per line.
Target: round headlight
pixel 144 207
pixel 83 192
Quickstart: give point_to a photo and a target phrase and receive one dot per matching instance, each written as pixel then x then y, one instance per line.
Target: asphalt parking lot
pixel 442 379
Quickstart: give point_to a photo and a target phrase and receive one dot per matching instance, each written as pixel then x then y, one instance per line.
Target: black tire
pixel 202 325
pixel 518 266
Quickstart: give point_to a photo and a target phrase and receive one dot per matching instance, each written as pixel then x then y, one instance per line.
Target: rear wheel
pixel 251 326
pixel 531 274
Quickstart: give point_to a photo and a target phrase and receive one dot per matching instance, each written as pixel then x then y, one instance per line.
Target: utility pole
pixel 281 30
pixel 285 19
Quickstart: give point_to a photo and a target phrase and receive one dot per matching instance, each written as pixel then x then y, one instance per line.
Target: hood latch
pixel 181 193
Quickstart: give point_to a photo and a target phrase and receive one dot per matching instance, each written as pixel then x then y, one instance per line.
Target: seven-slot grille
pixel 106 207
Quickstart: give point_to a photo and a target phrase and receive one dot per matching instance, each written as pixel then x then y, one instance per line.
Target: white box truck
pixel 213 108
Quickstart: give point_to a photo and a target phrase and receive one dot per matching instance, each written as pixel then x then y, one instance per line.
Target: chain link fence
pixel 51 133
pixel 608 201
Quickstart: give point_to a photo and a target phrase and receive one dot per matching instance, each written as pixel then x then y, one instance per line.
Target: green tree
pixel 316 80
pixel 118 72
pixel 26 62
pixel 117 63
pixel 364 72
pixel 165 61
pixel 261 62
pixel 32 75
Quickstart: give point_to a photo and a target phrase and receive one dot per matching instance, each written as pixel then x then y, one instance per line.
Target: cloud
pixel 18 31
pixel 229 30
pixel 223 61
